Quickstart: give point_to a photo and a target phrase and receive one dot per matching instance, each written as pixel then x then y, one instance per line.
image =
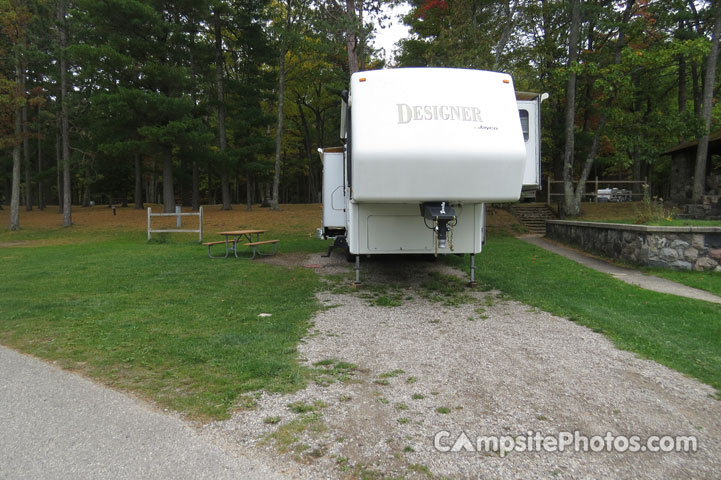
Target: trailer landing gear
pixel 339 242
pixel 472 283
pixel 357 282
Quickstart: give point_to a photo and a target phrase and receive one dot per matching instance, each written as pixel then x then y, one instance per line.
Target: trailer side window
pixel 524 123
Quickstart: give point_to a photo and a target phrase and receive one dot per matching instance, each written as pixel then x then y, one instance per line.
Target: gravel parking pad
pixel 390 378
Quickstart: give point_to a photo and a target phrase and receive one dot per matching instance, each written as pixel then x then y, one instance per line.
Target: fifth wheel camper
pixel 423 150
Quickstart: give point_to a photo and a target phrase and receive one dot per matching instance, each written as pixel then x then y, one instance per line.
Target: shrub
pixel 652 209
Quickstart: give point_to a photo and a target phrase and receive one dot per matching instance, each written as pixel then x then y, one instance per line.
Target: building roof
pixel 714 138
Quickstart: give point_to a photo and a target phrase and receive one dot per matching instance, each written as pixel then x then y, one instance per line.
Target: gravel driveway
pixel 390 378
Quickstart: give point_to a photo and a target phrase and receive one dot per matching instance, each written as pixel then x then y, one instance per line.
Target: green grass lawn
pixel 674 222
pixel 709 281
pixel 681 333
pixel 163 320
pixel 160 319
pixel 679 222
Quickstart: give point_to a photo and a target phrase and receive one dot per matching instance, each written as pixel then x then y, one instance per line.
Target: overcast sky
pixel 387 37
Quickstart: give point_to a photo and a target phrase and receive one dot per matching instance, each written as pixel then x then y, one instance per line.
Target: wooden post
pixel 548 198
pixel 178 223
pixel 596 189
pixel 148 223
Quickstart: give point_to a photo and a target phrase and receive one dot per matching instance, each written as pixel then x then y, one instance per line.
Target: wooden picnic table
pixel 232 237
pixel 237 235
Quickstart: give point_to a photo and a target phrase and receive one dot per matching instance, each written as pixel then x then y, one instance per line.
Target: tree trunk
pixel 266 195
pixel 637 167
pixel 695 75
pixel 195 200
pixel 212 189
pixel 249 192
pixel 168 192
pixel 682 95
pixel 588 164
pixel 180 180
pixel 220 87
pixel 696 89
pixel 699 179
pixel 14 223
pixel 352 43
pixel 225 191
pixel 195 180
pixel 26 146
pixel 572 204
pixel 274 203
pixel 505 35
pixel 152 193
pixel 41 186
pixel 138 196
pixel 64 127
pixel 59 162
pixel 571 208
pixel 308 150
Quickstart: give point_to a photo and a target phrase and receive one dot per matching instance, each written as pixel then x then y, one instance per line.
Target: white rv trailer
pixel 425 148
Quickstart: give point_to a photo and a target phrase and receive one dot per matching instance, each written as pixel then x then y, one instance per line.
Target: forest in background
pixel 226 101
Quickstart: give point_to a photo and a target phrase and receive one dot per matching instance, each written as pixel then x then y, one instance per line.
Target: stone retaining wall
pixel 708 209
pixel 678 248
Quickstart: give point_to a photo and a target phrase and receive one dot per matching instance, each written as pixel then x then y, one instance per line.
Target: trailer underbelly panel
pixel 398 228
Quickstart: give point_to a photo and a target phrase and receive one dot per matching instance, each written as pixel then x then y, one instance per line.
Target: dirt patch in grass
pixel 290 260
pixel 14 244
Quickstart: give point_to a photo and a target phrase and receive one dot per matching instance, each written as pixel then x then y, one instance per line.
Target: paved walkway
pixel 628 275
pixel 55 424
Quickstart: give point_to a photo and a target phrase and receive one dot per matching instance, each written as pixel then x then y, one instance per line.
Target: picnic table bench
pixel 255 247
pixel 233 237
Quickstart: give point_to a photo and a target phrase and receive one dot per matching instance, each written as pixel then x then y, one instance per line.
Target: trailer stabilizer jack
pixel 472 283
pixel 357 282
pixel 339 242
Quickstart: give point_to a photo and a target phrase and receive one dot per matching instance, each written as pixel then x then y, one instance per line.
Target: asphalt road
pixel 57 425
